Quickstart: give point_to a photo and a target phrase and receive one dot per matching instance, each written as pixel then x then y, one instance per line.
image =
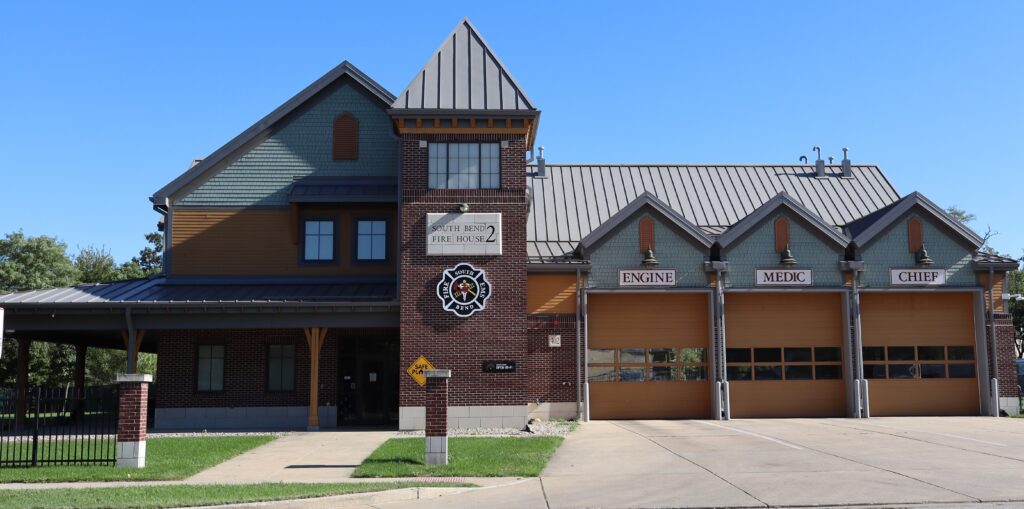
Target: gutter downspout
pixel 861 384
pixel 994 357
pixel 726 404
pixel 579 347
pixel 164 209
pixel 586 369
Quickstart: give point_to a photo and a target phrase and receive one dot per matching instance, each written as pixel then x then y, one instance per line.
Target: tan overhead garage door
pixel 919 353
pixel 648 356
pixel 784 354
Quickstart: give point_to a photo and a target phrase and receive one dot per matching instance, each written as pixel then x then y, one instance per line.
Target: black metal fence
pixel 61 426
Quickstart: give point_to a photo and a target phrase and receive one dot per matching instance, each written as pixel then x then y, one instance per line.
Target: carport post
pixel 437 416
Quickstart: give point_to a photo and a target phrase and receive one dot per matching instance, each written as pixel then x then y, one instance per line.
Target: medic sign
pixel 783 277
pixel 917 277
pixel 647 277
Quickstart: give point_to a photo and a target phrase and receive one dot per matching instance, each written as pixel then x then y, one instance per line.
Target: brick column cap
pixel 437 373
pixel 135 377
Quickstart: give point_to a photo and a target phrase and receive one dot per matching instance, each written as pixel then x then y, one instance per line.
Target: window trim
pixel 480 166
pixel 195 365
pixel 388 239
pixel 266 366
pixel 336 260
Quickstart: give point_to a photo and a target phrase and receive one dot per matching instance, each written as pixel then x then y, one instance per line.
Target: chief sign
pixel 917 277
pixel 416 370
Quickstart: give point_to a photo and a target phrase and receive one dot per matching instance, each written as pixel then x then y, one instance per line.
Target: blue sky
pixel 103 103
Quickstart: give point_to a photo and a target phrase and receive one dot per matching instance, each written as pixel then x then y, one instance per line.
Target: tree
pixel 31 263
pixel 96 265
pixel 151 258
pixel 964 218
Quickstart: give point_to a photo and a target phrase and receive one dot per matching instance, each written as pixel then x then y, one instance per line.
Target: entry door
pixel 919 353
pixel 784 354
pixel 648 356
pixel 368 381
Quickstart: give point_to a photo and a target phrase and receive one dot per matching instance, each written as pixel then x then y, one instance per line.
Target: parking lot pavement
pixel 928 461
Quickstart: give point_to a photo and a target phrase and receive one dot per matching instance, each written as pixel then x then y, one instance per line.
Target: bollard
pixel 437 415
pixel 131 420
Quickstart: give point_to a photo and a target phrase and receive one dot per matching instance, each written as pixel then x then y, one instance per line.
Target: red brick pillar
pixel 131 420
pixel 1005 358
pixel 436 399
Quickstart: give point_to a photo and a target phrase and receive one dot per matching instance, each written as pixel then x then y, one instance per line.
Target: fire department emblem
pixel 463 290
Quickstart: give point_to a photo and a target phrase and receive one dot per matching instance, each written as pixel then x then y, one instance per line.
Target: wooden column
pixel 22 381
pixel 132 344
pixel 315 339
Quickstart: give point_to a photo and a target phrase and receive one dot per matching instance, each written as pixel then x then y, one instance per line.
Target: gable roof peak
pixel 645 199
pixel 464 74
pixel 738 230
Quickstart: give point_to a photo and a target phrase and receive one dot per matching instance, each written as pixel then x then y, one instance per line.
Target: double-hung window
pixel 318 240
pixel 210 368
pixel 464 166
pixel 371 240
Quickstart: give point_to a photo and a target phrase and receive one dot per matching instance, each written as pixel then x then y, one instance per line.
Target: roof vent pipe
pixel 819 164
pixel 542 172
pixel 847 169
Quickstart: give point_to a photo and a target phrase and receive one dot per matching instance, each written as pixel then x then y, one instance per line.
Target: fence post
pixel 35 429
pixel 131 419
pixel 437 415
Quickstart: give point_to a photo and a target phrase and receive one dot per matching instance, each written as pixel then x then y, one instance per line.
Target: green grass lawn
pixel 166 459
pixel 149 497
pixel 467 456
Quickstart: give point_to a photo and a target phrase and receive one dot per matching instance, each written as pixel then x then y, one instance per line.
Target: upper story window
pixel 371 240
pixel 346 137
pixel 464 166
pixel 318 240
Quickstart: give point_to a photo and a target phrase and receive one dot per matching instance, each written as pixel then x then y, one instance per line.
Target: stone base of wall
pixel 269 417
pixel 131 454
pixel 548 411
pixel 1010 405
pixel 463 417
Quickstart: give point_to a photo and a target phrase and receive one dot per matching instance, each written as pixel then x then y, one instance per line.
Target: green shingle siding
pixel 889 251
pixel 301 147
pixel 622 251
pixel 757 251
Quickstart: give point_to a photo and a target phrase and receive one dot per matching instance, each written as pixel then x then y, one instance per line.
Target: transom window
pixel 790 363
pixel 910 362
pixel 371 240
pixel 319 240
pixel 647 364
pixel 210 368
pixel 464 166
pixel 281 367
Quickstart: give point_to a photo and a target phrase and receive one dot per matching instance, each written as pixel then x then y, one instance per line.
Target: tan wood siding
pixel 650 321
pixel 260 242
pixel 997 289
pixel 551 293
pixel 784 320
pixel 920 319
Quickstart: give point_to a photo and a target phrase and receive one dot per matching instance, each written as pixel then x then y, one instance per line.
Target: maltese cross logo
pixel 463 290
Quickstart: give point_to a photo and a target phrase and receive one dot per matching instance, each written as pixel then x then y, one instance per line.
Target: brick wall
pixel 499 331
pixel 1005 356
pixel 131 412
pixel 552 375
pixel 245 368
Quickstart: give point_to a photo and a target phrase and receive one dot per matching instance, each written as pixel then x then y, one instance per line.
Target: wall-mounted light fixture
pixel 649 259
pixel 922 257
pixel 464 207
pixel 786 257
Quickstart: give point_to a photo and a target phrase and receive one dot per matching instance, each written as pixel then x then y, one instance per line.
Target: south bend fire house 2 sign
pixel 463 290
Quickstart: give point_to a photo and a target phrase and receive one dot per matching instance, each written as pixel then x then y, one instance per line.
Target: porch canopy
pixel 99 314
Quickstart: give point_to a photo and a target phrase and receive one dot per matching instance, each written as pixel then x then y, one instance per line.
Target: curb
pixel 351 499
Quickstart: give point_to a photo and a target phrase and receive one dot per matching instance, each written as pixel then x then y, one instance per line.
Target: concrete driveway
pixel 773 463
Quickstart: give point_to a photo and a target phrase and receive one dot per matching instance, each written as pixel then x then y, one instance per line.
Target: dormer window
pixel 464 166
pixel 318 239
pixel 346 137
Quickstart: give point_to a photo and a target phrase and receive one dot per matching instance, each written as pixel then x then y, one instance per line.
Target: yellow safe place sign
pixel 416 370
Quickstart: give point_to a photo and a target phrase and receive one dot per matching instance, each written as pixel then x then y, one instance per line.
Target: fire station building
pixel 319 261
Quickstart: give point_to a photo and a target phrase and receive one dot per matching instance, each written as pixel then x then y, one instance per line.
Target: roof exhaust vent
pixel 542 172
pixel 819 164
pixel 847 169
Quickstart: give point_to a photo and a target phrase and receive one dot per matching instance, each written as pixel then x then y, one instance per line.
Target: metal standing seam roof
pixel 344 190
pixel 464 74
pixel 158 290
pixel 575 199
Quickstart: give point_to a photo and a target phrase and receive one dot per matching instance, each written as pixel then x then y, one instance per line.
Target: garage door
pixel 648 356
pixel 919 353
pixel 784 354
